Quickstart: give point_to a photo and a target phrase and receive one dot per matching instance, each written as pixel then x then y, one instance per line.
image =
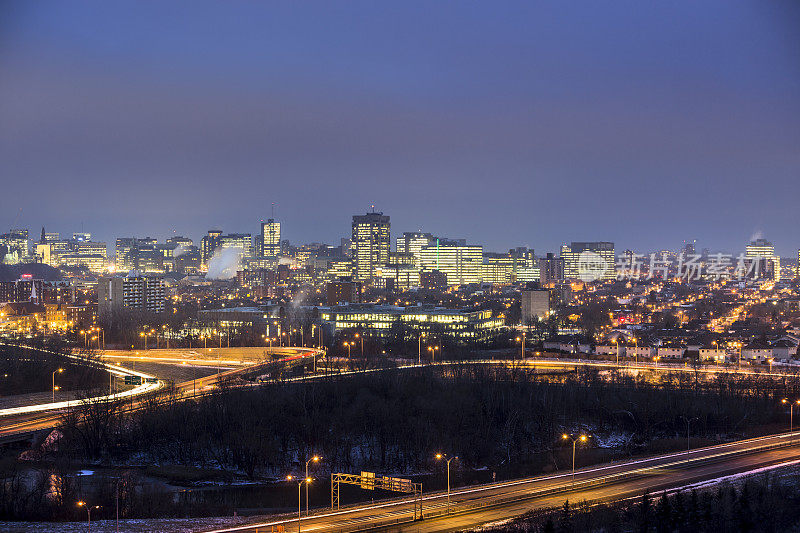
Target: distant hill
pixel 37 270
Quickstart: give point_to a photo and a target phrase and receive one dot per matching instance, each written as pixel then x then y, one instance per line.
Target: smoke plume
pixel 225 262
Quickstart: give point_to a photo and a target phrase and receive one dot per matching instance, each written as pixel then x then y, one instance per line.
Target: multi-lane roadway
pixel 20 422
pixel 476 505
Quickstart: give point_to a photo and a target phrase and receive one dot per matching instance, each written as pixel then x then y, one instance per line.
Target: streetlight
pixel 314 459
pixel 88 512
pixel 791 415
pixel 433 349
pixel 299 493
pixel 521 341
pixel 59 371
pixel 348 345
pixel 439 457
pixel 362 344
pixel 419 348
pixel 574 440
pixel 688 420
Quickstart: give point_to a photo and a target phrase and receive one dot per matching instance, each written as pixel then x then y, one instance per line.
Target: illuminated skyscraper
pixel 270 238
pixel 462 263
pixel 763 249
pixel 589 261
pixel 208 244
pixel 411 242
pixel 371 244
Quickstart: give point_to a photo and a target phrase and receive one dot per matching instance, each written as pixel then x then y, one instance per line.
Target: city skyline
pixel 543 131
pixel 781 249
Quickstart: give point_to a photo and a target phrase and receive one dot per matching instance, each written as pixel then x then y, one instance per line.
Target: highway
pixel 21 422
pixel 476 505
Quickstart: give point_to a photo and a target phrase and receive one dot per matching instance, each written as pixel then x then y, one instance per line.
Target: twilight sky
pixel 507 123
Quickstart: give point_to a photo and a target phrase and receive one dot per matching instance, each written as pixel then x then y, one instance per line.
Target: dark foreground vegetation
pixel 762 503
pixel 499 421
pixel 397 420
pixel 25 370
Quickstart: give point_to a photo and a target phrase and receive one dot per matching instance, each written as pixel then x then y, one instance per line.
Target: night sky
pixel 507 123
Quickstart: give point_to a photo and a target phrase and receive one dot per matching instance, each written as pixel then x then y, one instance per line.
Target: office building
pixel 764 251
pixel 433 280
pixel 270 242
pixel 460 326
pixel 95 263
pixel 399 274
pixel 371 244
pixel 589 261
pixel 343 292
pixel 144 293
pixel 498 268
pixel 412 242
pixel 133 253
pixel 462 263
pixel 209 244
pixel 244 241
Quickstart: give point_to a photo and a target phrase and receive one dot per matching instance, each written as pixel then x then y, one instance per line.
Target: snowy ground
pixel 177 525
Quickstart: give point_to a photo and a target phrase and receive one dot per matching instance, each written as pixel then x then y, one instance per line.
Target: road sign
pixel 133 380
pixel 152 380
pixel 368 480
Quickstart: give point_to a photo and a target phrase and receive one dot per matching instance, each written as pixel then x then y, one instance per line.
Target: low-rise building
pixel 379 320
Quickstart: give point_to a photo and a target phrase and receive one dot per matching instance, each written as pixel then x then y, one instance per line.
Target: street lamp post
pixel 59 371
pixel 314 459
pixel 299 496
pixel 791 416
pixel 347 345
pixel 440 456
pixel 688 421
pixel 419 349
pixel 433 349
pixel 521 341
pixel 361 337
pixel 574 440
pixel 88 512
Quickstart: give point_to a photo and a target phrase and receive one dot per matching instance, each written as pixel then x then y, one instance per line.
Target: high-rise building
pixel 238 240
pixel 370 244
pixel 589 261
pixel 145 293
pixel 762 249
pixel 209 244
pixel 131 253
pixel 462 263
pixel 551 269
pixel 270 245
pixel 412 242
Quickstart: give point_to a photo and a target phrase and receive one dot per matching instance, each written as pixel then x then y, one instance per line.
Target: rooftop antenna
pixel 273 211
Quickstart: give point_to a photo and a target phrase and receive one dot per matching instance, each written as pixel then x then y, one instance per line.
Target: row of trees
pixel 395 420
